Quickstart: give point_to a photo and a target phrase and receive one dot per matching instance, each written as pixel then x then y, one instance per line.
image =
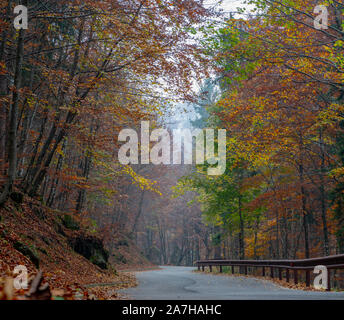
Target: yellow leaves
pixel 82 186
pixel 2 68
pixel 330 116
pixel 142 182
pixel 59 150
pixel 338 173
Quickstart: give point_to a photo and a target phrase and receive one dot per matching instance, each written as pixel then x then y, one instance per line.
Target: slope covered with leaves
pixel 37 238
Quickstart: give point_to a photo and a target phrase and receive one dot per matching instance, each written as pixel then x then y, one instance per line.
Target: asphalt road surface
pixel 180 283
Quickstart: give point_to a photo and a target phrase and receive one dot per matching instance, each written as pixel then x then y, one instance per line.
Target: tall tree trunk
pixel 256 238
pixel 242 231
pixel 45 157
pixel 82 193
pixel 12 134
pixel 323 196
pixel 55 182
pixel 304 213
pixel 3 94
pixel 29 170
pixel 285 246
pixel 303 199
pixel 277 234
pixel 217 249
pixel 85 173
pixel 138 215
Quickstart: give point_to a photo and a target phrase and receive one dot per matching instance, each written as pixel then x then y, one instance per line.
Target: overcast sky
pixel 229 5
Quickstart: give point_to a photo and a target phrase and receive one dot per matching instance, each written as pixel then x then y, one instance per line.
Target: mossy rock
pixel 17 197
pixel 70 223
pixel 28 252
pixel 99 260
pixel 91 248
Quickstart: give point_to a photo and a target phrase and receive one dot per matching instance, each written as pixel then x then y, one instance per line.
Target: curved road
pixel 180 283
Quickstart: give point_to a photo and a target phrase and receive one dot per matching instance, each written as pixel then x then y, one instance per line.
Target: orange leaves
pixel 3 69
pixel 281 109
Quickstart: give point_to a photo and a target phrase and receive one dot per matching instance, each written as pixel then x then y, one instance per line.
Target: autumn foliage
pixel 281 101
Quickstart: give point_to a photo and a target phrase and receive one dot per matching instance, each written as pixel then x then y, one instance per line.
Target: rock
pixel 17 197
pixel 99 260
pixel 91 248
pixel 26 251
pixel 70 223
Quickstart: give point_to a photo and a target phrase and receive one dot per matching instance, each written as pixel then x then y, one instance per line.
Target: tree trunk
pixel 138 215
pixel 241 233
pixel 285 245
pixel 82 193
pixel 3 94
pixel 12 134
pixel 303 200
pixel 55 181
pixel 323 197
pixel 304 214
pixel 277 234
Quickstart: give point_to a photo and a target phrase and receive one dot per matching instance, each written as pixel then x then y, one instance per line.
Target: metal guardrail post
pixel 295 276
pixel 308 278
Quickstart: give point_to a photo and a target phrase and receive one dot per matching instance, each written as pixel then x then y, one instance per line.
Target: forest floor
pixel 40 239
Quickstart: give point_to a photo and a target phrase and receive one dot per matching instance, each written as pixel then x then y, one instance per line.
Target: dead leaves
pixel 38 290
pixel 66 272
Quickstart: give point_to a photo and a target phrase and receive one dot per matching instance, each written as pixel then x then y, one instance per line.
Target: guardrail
pixel 283 267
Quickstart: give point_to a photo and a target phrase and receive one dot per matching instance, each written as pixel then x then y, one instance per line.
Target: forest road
pixel 181 283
